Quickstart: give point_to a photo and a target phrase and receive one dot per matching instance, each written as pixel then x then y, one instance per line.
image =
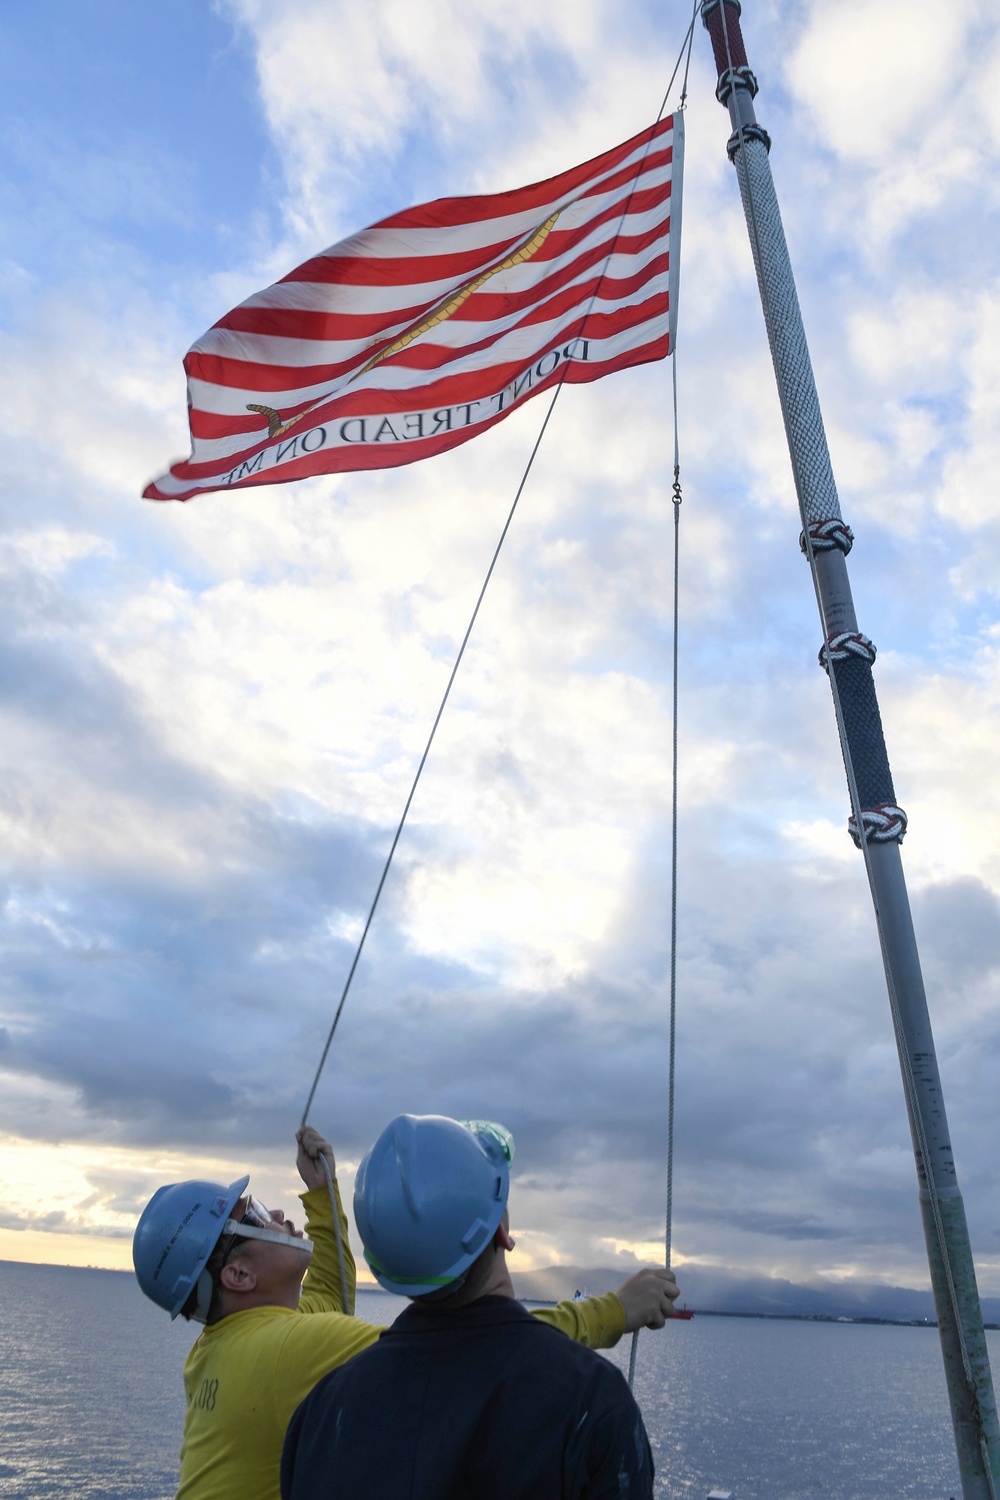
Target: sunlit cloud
pixel 212 713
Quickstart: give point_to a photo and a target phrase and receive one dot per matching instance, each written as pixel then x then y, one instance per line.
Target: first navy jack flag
pixel 431 326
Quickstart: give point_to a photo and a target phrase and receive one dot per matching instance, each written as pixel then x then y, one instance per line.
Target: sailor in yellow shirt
pixel 216 1255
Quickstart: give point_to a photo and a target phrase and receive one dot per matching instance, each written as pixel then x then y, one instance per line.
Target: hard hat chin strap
pixel 273 1236
pixel 205 1286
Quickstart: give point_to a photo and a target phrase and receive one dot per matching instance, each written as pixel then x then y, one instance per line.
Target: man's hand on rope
pixel 312 1146
pixel 648 1298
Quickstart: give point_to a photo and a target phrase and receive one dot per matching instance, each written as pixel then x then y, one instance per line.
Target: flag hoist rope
pixel 677 499
pixel 399 827
pixel 461 652
pixel 683 56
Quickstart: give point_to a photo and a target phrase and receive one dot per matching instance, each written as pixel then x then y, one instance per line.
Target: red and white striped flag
pixel 422 331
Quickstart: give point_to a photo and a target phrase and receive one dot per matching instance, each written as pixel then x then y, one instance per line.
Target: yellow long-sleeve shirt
pixel 246 1375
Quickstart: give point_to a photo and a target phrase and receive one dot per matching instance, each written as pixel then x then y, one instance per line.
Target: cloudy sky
pixel 211 713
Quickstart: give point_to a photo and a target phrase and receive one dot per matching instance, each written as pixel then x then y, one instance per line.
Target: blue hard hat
pixel 176 1233
pixel 428 1199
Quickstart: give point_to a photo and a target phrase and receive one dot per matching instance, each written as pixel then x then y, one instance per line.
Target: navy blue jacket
pixel 481 1403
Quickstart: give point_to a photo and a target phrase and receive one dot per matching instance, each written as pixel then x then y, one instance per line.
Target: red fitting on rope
pixel 720 17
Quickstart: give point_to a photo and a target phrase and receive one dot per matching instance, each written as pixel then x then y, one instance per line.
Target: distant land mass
pixel 713 1289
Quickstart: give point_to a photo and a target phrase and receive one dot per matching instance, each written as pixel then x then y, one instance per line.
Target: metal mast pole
pixel 877 824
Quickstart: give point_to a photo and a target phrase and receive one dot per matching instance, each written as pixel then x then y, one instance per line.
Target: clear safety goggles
pixel 256 1214
pixel 493 1136
pixel 257 1224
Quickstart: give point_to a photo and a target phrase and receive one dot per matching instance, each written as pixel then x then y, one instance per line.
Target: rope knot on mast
pixel 745 135
pixel 847 644
pixel 736 78
pixel 826 535
pixel 884 824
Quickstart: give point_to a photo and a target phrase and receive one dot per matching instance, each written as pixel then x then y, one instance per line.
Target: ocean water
pixel 776 1410
pixel 91 1403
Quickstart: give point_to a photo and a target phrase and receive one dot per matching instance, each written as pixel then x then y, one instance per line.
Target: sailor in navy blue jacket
pixel 466 1396
pixel 481 1402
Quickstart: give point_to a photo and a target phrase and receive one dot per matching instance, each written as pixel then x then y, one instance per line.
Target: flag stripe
pixel 628 230
pixel 297 383
pixel 438 321
pixel 208 424
pixel 476 382
pixel 367 258
pixel 460 211
pixel 358 327
pixel 276 369
pixel 618 354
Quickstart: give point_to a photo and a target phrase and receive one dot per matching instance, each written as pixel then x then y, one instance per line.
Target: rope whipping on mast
pixel 877 823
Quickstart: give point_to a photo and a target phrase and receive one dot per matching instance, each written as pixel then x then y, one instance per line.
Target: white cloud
pixel 211 713
pixel 869 72
pixel 969 495
pixel 349 93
